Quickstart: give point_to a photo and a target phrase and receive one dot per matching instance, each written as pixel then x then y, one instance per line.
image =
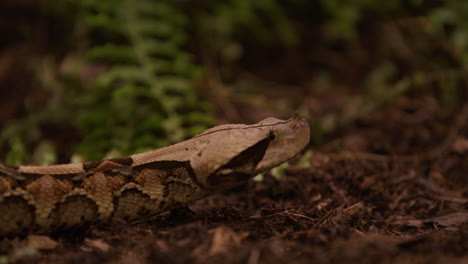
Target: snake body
pixel 47 198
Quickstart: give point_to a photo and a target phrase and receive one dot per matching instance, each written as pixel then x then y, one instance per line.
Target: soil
pixel 391 189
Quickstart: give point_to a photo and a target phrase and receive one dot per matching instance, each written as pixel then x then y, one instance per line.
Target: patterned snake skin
pixel 48 198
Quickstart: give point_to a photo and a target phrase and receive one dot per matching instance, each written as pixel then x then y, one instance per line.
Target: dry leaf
pixel 460 145
pixel 223 239
pixel 99 244
pixel 41 242
pixel 449 220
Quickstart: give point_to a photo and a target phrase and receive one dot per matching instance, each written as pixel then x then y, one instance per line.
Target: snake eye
pixel 271 135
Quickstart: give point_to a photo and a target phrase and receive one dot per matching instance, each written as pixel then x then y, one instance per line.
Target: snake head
pixel 243 151
pixel 285 140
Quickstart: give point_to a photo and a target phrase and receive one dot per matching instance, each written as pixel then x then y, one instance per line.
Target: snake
pixel 44 199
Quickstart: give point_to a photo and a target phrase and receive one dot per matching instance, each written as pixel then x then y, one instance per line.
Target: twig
pixel 299 215
pixel 326 216
pixel 450 199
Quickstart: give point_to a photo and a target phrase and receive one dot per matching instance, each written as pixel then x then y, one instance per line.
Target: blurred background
pixel 93 79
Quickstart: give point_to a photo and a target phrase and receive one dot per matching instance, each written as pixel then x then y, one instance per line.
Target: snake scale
pixel 43 199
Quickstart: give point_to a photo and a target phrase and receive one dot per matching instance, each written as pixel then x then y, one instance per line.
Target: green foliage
pixel 345 16
pixel 140 96
pixel 20 135
pixel 137 91
pixel 453 14
pixel 145 99
pixel 260 20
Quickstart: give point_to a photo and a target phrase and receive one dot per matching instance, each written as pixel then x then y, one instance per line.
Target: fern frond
pixel 147 88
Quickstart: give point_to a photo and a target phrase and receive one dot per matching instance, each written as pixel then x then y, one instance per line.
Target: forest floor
pixel 357 202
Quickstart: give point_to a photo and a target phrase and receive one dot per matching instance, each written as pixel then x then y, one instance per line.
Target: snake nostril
pixel 271 135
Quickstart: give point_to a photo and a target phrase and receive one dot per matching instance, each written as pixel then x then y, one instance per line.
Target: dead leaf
pixel 453 219
pixel 355 209
pixel 41 242
pixel 162 245
pixel 223 239
pixel 93 244
pixel 460 145
pixel 409 222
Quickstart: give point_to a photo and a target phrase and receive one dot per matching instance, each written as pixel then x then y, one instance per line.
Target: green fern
pixel 141 99
pixel 145 99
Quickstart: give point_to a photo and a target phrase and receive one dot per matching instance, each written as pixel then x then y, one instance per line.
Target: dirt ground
pixel 355 201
